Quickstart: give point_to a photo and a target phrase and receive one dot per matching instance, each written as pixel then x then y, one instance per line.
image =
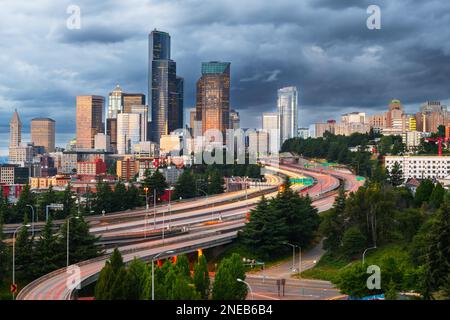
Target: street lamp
pixel 300 261
pixel 170 208
pixel 68 227
pixel 206 194
pixel 153 270
pixel 246 283
pixel 146 211
pixel 14 255
pixel 364 253
pixel 293 255
pixel 32 219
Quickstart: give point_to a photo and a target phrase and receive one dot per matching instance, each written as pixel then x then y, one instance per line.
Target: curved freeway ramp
pixel 58 285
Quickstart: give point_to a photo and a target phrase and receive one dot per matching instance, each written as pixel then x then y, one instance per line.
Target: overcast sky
pixel 321 46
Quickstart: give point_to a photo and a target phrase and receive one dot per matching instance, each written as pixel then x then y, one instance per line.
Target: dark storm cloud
pixel 97 34
pixel 321 46
pixel 342 4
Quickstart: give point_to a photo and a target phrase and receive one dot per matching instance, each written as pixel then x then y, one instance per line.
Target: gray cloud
pixel 321 46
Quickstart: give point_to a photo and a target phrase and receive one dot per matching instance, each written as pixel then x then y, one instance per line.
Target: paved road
pixel 183 205
pixel 53 286
pixel 267 289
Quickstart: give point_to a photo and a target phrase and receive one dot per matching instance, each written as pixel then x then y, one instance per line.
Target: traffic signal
pixel 247 216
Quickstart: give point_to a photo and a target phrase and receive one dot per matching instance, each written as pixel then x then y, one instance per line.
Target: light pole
pixel 170 209
pixel 299 261
pixel 293 255
pixel 153 270
pixel 14 255
pixel 146 211
pixel 364 253
pixel 32 219
pixel 246 283
pixel 206 194
pixel 67 249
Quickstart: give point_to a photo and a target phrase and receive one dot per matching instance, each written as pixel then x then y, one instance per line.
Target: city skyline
pixel 63 76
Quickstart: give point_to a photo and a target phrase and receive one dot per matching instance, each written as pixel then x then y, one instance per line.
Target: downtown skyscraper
pixel 15 130
pixel 165 89
pixel 89 120
pixel 288 113
pixel 213 96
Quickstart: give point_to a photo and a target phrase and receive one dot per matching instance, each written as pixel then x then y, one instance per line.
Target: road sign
pixel 56 206
pixel 13 288
pixel 305 181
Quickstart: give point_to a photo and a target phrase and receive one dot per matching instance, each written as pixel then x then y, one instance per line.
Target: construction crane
pixel 439 140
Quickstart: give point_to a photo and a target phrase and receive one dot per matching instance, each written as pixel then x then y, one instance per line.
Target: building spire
pixel 15 130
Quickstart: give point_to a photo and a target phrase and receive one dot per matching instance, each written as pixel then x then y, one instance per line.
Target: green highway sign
pixel 305 181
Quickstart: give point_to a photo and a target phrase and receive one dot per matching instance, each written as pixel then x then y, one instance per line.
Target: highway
pixel 197 233
pixel 271 183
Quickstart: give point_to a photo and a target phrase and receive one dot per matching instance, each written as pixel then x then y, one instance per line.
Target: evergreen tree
pixel 423 192
pixel 396 175
pixel 111 282
pixel 215 183
pixel 266 232
pixel 372 210
pixel 133 198
pixel 48 254
pixel 332 225
pixel 26 198
pixel 391 292
pixel 155 181
pixel 185 186
pixel 3 253
pixel 137 276
pixel 45 199
pixel 182 266
pixel 183 290
pixel 379 174
pixel 437 196
pixel 68 199
pixel 301 217
pixel 160 283
pixel 6 213
pixel 104 199
pixel 169 281
pixel 226 286
pixel 118 288
pixel 119 197
pixel 409 222
pixel 24 253
pixel 82 244
pixel 201 278
pixel 437 261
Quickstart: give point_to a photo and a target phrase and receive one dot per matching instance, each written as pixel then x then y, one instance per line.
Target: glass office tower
pixel 165 88
pixel 213 96
pixel 288 113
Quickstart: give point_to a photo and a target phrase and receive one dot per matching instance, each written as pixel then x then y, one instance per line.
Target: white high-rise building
pixel 142 110
pixel 271 125
pixel 128 132
pixel 115 103
pixel 288 113
pixel 270 121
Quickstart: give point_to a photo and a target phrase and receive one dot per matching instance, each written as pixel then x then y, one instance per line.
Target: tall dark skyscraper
pixel 165 89
pixel 213 96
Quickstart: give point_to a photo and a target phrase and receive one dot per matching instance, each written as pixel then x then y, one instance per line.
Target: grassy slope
pixel 329 266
